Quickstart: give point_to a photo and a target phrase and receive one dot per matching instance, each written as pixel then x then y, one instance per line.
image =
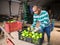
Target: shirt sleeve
pixel 34 21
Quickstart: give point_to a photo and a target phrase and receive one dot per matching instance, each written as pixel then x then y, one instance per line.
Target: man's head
pixel 36 9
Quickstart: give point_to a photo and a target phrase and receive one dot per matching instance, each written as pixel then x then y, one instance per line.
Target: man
pixel 43 17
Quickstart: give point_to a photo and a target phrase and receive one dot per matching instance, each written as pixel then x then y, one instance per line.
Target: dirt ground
pixel 55 37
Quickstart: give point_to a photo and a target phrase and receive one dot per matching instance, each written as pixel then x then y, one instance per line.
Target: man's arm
pixel 34 22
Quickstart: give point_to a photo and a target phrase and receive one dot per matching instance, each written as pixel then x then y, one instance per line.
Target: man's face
pixel 36 10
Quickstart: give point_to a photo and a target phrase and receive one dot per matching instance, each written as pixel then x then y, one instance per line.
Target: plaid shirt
pixel 43 17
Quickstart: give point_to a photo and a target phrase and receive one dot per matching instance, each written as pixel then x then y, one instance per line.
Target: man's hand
pixel 36 29
pixel 32 28
pixel 37 24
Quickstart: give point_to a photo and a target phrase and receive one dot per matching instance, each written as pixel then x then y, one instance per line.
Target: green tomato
pixel 28 28
pixel 30 35
pixel 32 32
pixel 40 35
pixel 33 36
pixel 23 34
pixel 24 31
pixel 37 37
pixel 36 34
pixel 26 35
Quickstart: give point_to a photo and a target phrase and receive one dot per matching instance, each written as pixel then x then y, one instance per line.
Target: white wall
pixel 4 8
pixel 15 8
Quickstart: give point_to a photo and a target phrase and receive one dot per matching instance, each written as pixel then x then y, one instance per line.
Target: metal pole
pixel 10 7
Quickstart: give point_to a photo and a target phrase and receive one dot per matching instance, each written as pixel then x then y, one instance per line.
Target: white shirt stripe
pixel 44 15
pixel 44 19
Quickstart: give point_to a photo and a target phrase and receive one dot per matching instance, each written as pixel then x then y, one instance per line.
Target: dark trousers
pixel 47 30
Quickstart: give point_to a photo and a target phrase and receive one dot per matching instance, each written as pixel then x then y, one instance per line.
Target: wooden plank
pixel 8 35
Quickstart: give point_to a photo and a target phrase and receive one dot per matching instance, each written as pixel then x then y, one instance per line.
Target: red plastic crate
pixel 14 26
